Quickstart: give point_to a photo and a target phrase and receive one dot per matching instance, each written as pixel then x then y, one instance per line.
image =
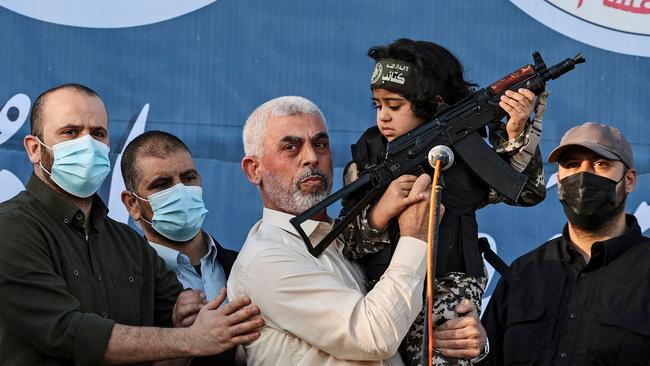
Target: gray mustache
pixel 314 172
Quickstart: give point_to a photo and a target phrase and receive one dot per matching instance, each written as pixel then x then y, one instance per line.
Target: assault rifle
pixel 457 126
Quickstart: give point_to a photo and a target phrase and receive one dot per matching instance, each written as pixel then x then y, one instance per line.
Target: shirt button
pixel 573 315
pixel 104 315
pixel 78 217
pixel 131 279
pixel 563 354
pixel 66 221
pixel 99 278
pixel 76 272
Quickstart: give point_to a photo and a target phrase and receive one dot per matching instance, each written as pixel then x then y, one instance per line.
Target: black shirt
pixel 61 292
pixel 559 310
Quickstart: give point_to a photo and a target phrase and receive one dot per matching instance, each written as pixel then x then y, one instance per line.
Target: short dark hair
pixel 440 74
pixel 150 143
pixel 36 115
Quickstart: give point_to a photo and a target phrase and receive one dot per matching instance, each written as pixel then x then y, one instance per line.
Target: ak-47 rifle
pixel 458 127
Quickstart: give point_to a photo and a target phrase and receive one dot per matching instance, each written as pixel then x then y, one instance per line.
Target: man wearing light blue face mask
pixel 164 197
pixel 78 288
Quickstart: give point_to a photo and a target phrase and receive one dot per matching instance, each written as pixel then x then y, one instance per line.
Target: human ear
pixel 251 166
pixel 630 180
pixel 32 146
pixel 131 204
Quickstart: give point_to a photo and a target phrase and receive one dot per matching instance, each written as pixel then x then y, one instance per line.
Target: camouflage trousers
pixel 449 291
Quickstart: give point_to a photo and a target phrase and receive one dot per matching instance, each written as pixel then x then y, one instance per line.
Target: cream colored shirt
pixel 316 310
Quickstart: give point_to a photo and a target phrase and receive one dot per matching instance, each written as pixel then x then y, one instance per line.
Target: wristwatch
pixel 484 352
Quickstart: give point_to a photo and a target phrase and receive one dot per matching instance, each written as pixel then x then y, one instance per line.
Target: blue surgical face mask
pixel 80 165
pixel 178 212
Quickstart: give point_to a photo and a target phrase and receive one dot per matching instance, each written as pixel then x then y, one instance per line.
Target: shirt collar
pixel 172 257
pixel 604 252
pixel 169 256
pixel 281 220
pixel 61 207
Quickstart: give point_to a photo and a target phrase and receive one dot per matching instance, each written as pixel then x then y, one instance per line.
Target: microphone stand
pixel 432 250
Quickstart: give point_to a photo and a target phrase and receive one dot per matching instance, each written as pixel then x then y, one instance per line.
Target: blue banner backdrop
pixel 198 69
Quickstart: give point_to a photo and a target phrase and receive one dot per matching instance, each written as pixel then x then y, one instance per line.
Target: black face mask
pixel 589 200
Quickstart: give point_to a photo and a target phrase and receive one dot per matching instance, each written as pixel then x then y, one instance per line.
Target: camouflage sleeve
pixel 534 190
pixel 358 237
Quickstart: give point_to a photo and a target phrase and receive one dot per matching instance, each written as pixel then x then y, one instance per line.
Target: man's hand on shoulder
pixel 218 329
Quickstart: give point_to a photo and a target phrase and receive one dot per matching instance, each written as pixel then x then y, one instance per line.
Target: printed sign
pixel 104 13
pixel 621 26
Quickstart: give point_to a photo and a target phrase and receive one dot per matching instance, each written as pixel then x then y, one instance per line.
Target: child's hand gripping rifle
pixel 457 127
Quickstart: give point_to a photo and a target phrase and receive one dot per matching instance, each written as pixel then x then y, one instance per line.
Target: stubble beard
pixel 289 197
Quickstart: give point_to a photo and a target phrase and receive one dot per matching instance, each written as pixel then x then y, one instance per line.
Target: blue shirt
pixel 212 277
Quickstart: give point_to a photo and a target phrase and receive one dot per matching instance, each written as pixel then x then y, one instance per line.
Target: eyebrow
pixel 299 140
pixel 70 125
pixel 80 126
pixel 321 135
pixel 294 139
pixel 189 171
pixel 399 99
pixel 158 180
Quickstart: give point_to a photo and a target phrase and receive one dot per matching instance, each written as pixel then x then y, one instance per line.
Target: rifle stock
pixel 456 127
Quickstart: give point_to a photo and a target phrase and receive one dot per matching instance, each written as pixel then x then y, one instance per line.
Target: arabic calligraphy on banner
pixel 630 16
pixel 621 26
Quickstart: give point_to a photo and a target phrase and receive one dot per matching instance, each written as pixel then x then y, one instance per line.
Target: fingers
pixel 523 97
pixel 247 331
pixel 188 321
pixel 468 316
pixel 251 325
pixel 462 349
pixel 187 305
pixel 218 300
pixel 406 178
pixel 243 314
pixel 528 94
pixel 421 185
pixel 245 338
pixel 403 185
pixel 521 103
pixel 512 105
pixel 191 297
pixel 236 304
pixel 465 306
pixel 455 324
pixel 467 330
pixel 459 338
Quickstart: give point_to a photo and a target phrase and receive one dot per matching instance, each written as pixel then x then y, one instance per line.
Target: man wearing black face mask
pixel 581 298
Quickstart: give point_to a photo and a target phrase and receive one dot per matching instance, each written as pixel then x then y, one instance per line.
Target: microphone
pixel 442 153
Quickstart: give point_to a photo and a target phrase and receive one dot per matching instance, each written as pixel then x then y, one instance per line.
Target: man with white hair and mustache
pixel 317 311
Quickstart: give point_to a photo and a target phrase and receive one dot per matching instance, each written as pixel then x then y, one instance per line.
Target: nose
pixel 586 166
pixel 309 155
pixel 383 115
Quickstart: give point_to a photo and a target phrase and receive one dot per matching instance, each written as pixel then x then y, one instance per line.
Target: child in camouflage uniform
pixel 412 81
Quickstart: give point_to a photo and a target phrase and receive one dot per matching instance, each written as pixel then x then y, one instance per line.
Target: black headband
pixel 394 75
